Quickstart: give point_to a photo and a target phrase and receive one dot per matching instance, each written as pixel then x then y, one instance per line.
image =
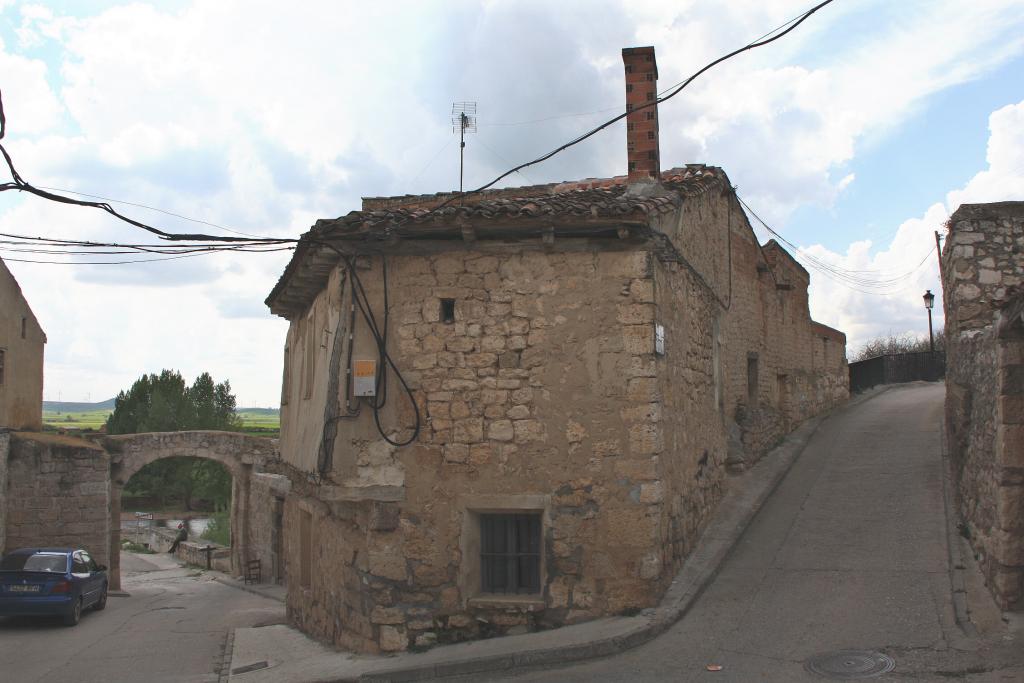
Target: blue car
pixel 51 581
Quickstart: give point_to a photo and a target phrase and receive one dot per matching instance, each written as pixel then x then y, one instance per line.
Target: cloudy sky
pixel 854 137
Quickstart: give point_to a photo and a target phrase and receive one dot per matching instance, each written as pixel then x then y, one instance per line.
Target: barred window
pixel 510 553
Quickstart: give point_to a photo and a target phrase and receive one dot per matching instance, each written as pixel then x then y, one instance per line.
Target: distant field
pixel 259 421
pixel 87 419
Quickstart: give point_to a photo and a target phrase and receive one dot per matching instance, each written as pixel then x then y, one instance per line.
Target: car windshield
pixel 37 562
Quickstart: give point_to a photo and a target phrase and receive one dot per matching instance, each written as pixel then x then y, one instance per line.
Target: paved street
pixel 173 628
pixel 849 553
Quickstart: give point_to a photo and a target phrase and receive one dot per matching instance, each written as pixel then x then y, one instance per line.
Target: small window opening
pixel 650 76
pixel 652 154
pixel 650 135
pixel 629 106
pixel 24 323
pixel 629 126
pixel 629 87
pixel 447 310
pixel 629 68
pixel 648 58
pixel 650 96
pixel 510 553
pixel 650 115
pixel 632 166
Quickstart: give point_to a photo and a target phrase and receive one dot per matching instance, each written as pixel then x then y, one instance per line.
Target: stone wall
pixel 266 510
pixel 21 345
pixel 5 445
pixel 241 455
pixel 543 395
pixel 983 272
pixel 58 493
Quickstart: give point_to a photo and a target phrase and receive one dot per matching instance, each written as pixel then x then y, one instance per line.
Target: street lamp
pixel 929 301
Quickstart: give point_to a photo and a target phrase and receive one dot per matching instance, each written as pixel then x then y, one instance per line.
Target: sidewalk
pixel 281 653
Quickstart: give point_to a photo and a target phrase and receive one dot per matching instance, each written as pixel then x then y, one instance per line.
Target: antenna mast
pixel 463 120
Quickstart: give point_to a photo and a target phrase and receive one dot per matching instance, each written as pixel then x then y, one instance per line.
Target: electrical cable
pixel 658 100
pixel 384 357
pixel 151 208
pixel 19 184
pixel 856 282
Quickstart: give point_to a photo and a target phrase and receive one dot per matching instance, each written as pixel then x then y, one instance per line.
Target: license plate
pixel 23 589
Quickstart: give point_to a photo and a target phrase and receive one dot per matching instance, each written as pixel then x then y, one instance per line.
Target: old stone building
pixel 21 358
pixel 515 410
pixel 983 291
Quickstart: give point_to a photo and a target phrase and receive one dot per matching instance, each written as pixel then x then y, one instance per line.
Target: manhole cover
pixel 850 664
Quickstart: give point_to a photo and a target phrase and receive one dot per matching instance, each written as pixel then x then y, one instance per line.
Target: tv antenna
pixel 464 121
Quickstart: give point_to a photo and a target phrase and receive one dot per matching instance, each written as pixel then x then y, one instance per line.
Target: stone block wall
pixel 21 343
pixel 266 510
pixel 545 395
pixel 536 397
pixel 983 274
pixel 5 445
pixel 58 493
pixel 763 326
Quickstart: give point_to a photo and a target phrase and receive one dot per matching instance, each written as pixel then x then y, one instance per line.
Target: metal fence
pixel 897 367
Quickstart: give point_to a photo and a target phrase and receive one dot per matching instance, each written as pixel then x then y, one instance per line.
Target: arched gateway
pixel 242 456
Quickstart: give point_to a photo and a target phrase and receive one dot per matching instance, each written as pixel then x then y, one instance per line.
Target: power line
pixel 152 208
pixel 19 184
pixel 851 279
pixel 792 25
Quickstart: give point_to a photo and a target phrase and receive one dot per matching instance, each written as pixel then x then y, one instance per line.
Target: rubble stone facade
pixel 983 286
pixel 592 373
pixel 58 490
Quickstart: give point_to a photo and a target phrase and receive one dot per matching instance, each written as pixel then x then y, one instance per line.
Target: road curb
pixel 728 525
pixel 955 557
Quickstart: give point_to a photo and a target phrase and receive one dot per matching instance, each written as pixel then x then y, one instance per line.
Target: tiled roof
pixel 590 198
pixel 573 208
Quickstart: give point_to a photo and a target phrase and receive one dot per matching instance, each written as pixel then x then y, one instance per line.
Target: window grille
pixel 510 553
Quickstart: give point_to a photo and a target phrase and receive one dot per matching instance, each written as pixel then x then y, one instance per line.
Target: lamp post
pixel 929 301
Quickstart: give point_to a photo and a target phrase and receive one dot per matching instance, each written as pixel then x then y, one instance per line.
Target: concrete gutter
pixel 746 494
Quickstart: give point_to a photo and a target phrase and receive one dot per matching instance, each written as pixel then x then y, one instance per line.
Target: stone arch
pixel 242 455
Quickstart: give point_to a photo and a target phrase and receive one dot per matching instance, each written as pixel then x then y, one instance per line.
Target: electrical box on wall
pixel 364 373
pixel 659 339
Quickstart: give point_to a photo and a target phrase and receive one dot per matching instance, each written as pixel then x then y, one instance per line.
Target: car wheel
pixel 102 602
pixel 75 615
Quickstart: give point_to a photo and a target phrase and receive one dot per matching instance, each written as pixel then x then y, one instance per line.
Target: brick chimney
pixel 641 126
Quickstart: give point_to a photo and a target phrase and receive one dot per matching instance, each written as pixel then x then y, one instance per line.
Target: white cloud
pixel 864 316
pixel 1004 178
pixel 263 117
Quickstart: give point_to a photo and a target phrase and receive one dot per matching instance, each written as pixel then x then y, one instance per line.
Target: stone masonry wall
pixel 5 444
pixel 983 272
pixel 21 341
pixel 543 395
pixel 266 501
pixel 538 394
pixel 58 494
pixel 764 322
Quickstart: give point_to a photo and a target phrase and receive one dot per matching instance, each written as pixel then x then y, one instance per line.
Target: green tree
pixel 164 403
